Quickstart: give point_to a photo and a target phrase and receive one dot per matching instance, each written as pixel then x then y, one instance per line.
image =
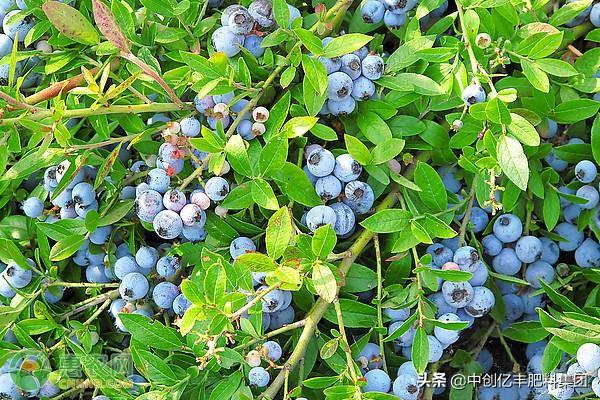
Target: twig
pixel 113 294
pixel 96 313
pixel 276 332
pixel 467 217
pixel 516 365
pixel 379 300
pixel 259 296
pixel 345 344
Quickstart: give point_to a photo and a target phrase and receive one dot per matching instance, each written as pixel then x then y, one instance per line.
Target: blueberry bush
pixel 271 199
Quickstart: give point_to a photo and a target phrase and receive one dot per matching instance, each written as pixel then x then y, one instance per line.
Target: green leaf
pixel 316 73
pixel 556 67
pixel 298 126
pixel 536 76
pixel 295 184
pixel 309 40
pixel 387 221
pixel 357 150
pixel 420 350
pixel 387 150
pixel 116 213
pixel 525 332
pixel 256 262
pixel 546 46
pixel 496 111
pixel 522 129
pixel 374 127
pixel 151 333
pixel 71 23
pixel 238 156
pixel 281 12
pixel 422 84
pixel 356 314
pixel 263 194
pixel 345 44
pixel 66 247
pixel 324 132
pixel 551 207
pixel 324 282
pixel 323 241
pixel 239 198
pixel 569 11
pixel 214 283
pixel 157 370
pixel 572 111
pixel 433 192
pixel 595 138
pixel 279 232
pixel 512 161
pixel 273 155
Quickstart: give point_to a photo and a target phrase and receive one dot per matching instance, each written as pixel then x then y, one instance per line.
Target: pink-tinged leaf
pixel 70 22
pixel 107 24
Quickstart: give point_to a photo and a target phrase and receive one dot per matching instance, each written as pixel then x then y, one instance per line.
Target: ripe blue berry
pixel 134 286
pixel 125 265
pixel 587 254
pixel 467 258
pixel 181 304
pixel 482 303
pixel 372 11
pixel 148 204
pixel 96 274
pixel 513 306
pixel 146 257
pixel 241 22
pixel 373 67
pixel 588 356
pixel 400 6
pixel 167 224
pixel 18 276
pixel 345 221
pixel 529 249
pixel 370 356
pixel 216 188
pixel 328 187
pixel 595 15
pixel 83 193
pixel 193 215
pixel 508 228
pixel 491 245
pixel 363 89
pixel 167 266
pixel 440 254
pixel 273 350
pixel 359 196
pixel 406 387
pixel 158 180
pixel 589 193
pixel 33 207
pixel 319 216
pixel 479 219
pixel 241 245
pixel 320 162
pixel 252 44
pixel 377 381
pixel 262 12
pixel 394 20
pixel 258 377
pixel 339 86
pixel 346 168
pixel 506 262
pixel 573 237
pixel 190 127
pixel 585 171
pixel 225 40
pixel 342 107
pixel 20 27
pixel 480 275
pixel 447 336
pixel 164 294
pixel 473 94
pixel 351 66
pixel 457 294
pixel 100 235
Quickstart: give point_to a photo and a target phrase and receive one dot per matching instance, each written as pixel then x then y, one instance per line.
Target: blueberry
pixel 213 121
pixel 480 275
pixel 216 188
pixel 181 304
pixel 339 86
pixel 6 43
pixel 457 294
pixel 16 275
pixel 241 22
pixel 328 187
pixel 48 389
pixel 506 262
pixel 54 294
pixel 194 233
pixel 449 178
pixel 203 104
pixel 33 207
pixel 491 245
pixel 193 215
pixel 588 356
pixel 370 356
pixel 351 66
pixel 241 245
pixel 508 228
pixel 467 258
pixel 167 266
pixel 479 219
pixel 167 224
pixel 345 220
pixel 164 294
pixel 486 360
pixel 125 265
pixel 377 381
pixel 50 178
pixel 146 257
pixel 258 377
pixel 530 303
pixel 117 307
pixel 473 94
pixel 228 11
pixel 281 318
pixel 174 200
pixel 294 14
pixel 363 89
pixel 320 162
pixel 513 306
pixel 587 254
pixel 589 193
pixel 244 129
pixel 225 98
pixel 373 67
pixel 400 6
pixel 488 393
pixel 362 52
pixel 134 286
pixel 535 348
pixel 394 315
pixel 346 168
pixel 572 211
pixel 331 64
pixel 262 12
pixel 447 336
pixel 20 27
pixel 394 20
pixel 482 303
pixel 100 235
pixel 595 15
pixel 148 204
pixel 8 389
pixel 96 274
pixel 372 11
pixel 407 368
pixel 225 40
pixel 573 237
pixel 63 199
pixel 359 197
pixel 560 386
pixel 406 387
pixel 190 127
pixel 547 128
pixel 585 171
pixel 83 193
pixel 158 180
pixel 272 301
pixel 252 44
pixel 556 163
pixel 404 340
pixel 440 254
pixel 342 107
pixel 440 303
pixel 550 251
pixel 273 350
pixel 529 249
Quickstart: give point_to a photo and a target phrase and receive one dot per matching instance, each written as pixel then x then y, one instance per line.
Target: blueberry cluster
pixel 14 276
pixel 270 352
pixel 244 27
pixel 16 27
pixel 276 305
pixel 216 108
pixel 336 182
pixel 591 13
pixel 394 13
pixel 350 79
